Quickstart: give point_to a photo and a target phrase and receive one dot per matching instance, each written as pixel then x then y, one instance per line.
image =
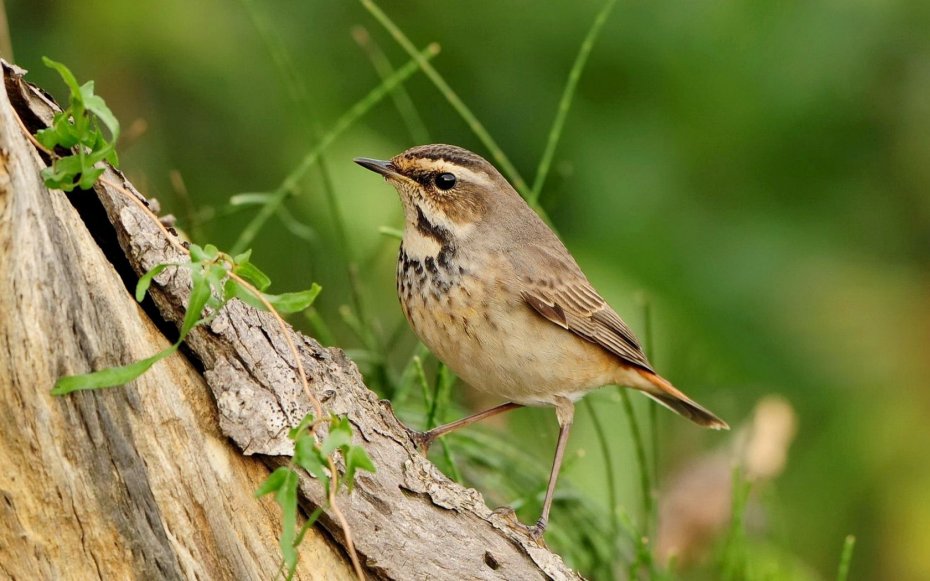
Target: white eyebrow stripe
pixel 463 173
pixel 472 176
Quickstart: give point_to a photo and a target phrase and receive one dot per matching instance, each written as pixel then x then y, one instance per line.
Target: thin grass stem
pixel 565 102
pixel 436 403
pixel 734 562
pixel 441 399
pixel 359 109
pixel 604 445
pixel 846 558
pixel 420 375
pixel 476 126
pixel 640 448
pixel 321 330
pixel 298 93
pixel 649 348
pixel 402 101
pixel 447 456
pixel 409 374
pixel 356 293
pixel 282 61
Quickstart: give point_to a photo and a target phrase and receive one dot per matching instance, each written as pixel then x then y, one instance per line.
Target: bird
pixel 493 292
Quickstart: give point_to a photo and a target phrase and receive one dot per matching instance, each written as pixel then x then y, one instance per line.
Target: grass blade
pixel 281 59
pixel 348 118
pixel 846 558
pixel 652 405
pixel 735 558
pixel 402 101
pixel 645 484
pixel 604 444
pixel 565 102
pixel 497 153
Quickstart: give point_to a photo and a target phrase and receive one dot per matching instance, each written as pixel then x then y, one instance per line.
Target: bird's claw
pixel 422 441
pixel 507 513
pixel 536 532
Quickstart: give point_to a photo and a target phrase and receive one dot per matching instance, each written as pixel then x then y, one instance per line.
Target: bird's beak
pixel 385 168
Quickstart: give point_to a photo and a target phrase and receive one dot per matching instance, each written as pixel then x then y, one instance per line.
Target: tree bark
pixel 153 480
pixel 133 482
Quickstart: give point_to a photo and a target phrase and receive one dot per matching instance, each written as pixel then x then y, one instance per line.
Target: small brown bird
pixel 495 295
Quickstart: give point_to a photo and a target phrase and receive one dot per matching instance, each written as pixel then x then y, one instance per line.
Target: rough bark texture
pixel 140 481
pixel 135 482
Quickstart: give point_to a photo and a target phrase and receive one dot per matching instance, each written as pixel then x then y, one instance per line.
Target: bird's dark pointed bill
pixel 385 168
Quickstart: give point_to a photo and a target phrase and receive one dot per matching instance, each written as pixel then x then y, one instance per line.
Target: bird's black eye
pixel 445 181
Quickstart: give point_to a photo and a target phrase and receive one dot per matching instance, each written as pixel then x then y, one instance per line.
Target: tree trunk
pixel 153 480
pixel 131 482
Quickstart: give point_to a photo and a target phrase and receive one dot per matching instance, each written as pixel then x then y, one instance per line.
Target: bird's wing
pixel 561 293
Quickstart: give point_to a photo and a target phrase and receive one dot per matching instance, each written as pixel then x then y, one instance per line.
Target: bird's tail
pixel 666 394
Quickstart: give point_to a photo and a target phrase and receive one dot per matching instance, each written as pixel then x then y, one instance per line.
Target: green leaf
pixel 207 253
pixel 308 456
pixel 253 274
pixel 294 302
pixel 311 520
pixel 89 177
pixel 63 172
pixel 197 253
pixel 303 425
pixel 211 251
pixel 356 459
pixel 216 275
pixel 340 434
pixel 200 294
pixel 274 482
pixel 233 289
pixel 391 232
pixel 111 376
pixel 60 175
pixel 66 75
pixel 96 105
pixel 60 133
pixel 286 498
pixel 295 226
pixel 146 280
pixel 99 152
pixel 249 199
pixel 112 158
pixel 77 126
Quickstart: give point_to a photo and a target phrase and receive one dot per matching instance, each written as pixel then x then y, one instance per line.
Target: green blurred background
pixel 759 171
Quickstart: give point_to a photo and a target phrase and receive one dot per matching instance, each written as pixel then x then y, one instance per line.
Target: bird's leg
pixel 565 411
pixel 424 439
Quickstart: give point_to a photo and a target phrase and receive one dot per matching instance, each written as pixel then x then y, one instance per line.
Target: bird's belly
pixel 498 344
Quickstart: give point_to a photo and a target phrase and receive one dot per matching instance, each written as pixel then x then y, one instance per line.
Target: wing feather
pixel 564 296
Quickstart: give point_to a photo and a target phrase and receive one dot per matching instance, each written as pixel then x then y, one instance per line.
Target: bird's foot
pixel 508 515
pixel 422 441
pixel 536 531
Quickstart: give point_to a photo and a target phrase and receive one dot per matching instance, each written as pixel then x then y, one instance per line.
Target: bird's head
pixel 443 185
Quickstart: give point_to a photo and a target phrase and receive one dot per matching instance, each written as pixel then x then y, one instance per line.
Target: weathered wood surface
pixel 408 521
pixel 135 482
